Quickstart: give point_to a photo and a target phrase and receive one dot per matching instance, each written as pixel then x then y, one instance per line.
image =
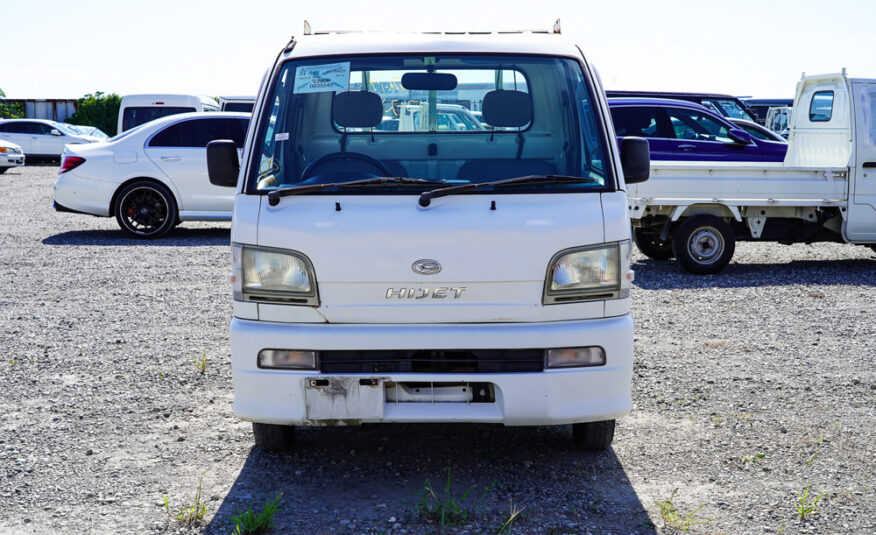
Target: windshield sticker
pixel 319 78
pixel 284 136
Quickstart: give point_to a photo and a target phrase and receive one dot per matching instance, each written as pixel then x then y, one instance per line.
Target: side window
pixel 38 128
pixel 236 131
pixel 12 128
pixel 697 126
pixel 169 137
pixel 196 133
pixel 821 107
pixel 639 121
pixel 756 134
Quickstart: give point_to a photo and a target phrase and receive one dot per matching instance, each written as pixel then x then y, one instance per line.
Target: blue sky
pixel 63 49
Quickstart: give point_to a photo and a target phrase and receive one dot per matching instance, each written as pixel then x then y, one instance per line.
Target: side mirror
pixel 222 163
pixel 740 137
pixel 56 132
pixel 635 159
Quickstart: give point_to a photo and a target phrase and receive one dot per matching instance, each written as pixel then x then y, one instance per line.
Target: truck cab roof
pixel 330 44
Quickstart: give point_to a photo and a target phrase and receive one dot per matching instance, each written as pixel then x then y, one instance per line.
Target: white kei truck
pixel 824 190
pixel 438 275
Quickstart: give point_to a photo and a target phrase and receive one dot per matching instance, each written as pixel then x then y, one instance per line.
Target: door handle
pixel 170 158
pixel 687 147
pixel 869 165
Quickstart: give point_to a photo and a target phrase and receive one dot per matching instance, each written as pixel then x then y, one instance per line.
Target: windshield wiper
pixel 427 196
pixel 275 195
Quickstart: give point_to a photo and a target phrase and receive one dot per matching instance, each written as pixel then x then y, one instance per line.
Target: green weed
pixel 445 508
pixel 251 523
pixel 751 459
pixel 201 363
pixel 672 518
pixel 805 507
pixel 513 515
pixel 190 515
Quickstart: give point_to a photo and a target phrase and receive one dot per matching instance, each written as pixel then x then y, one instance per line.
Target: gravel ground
pixel 749 386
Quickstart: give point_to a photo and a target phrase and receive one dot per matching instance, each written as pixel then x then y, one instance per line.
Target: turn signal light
pixel 70 163
pixel 287 358
pixel 573 357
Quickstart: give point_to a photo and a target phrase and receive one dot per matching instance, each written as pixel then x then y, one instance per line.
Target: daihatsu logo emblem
pixel 426 267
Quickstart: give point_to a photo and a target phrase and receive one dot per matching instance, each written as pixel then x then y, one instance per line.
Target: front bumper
pixel 10 159
pixel 554 396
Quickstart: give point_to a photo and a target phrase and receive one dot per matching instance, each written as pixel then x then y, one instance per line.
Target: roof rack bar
pixel 555 29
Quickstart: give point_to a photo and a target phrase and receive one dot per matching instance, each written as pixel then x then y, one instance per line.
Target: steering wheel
pixel 310 170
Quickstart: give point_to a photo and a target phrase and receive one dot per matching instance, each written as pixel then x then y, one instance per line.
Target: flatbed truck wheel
pixel 593 436
pixel 272 438
pixel 704 244
pixel 649 243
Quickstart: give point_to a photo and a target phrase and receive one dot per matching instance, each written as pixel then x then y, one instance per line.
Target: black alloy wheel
pixel 145 210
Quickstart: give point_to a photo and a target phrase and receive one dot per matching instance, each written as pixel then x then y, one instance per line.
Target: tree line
pixel 94 109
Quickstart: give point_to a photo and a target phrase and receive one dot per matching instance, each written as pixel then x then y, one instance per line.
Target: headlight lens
pixel 585 273
pixel 269 275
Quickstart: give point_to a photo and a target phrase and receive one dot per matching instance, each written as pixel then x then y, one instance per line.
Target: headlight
pixel 272 276
pixel 589 273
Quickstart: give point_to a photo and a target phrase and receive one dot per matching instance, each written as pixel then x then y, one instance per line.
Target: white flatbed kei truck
pixel 824 190
pixel 453 273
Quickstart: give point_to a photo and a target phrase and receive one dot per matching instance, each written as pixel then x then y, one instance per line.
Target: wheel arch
pixel 715 209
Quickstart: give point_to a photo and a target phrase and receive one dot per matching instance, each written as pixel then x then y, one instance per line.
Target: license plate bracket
pixel 340 399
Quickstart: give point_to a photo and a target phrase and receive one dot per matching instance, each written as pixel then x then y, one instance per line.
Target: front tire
pixel 704 244
pixel 145 209
pixel 649 243
pixel 593 436
pixel 271 438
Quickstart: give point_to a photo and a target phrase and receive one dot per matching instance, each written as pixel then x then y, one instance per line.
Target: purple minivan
pixel 680 130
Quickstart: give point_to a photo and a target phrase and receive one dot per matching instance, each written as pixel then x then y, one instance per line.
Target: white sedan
pixel 42 138
pixel 11 156
pixel 151 177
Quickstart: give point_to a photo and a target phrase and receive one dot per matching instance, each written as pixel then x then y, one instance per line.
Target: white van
pixel 241 104
pixel 139 109
pixel 436 275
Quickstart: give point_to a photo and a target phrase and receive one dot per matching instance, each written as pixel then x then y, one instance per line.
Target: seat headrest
pixel 507 108
pixel 357 109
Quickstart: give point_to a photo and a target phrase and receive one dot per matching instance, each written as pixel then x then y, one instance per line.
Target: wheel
pixel 3 170
pixel 649 243
pixel 593 436
pixel 145 209
pixel 272 438
pixel 703 244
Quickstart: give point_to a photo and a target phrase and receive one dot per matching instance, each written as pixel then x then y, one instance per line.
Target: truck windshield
pixel 446 119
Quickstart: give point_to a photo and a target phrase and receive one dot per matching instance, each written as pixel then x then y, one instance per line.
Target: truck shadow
pixel 669 275
pixel 364 480
pixel 186 237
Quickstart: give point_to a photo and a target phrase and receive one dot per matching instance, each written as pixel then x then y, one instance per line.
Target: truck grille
pixel 432 361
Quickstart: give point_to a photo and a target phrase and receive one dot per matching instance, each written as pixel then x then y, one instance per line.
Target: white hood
pixel 493 262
